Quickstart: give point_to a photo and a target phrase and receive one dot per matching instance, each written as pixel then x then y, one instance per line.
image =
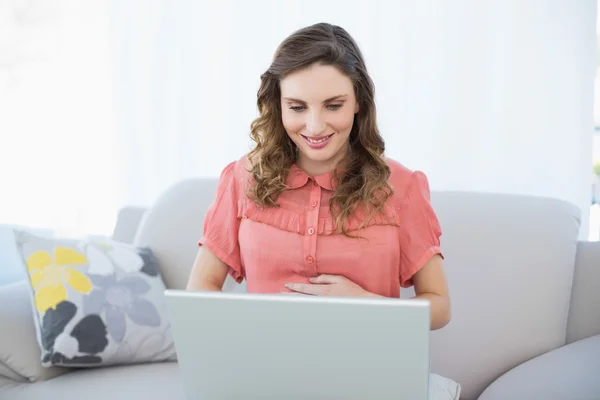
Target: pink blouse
pixel 270 247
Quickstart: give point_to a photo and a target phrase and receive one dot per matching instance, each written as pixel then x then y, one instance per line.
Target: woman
pixel 316 208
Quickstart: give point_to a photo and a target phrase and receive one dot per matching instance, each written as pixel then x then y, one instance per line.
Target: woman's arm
pixel 208 272
pixel 430 284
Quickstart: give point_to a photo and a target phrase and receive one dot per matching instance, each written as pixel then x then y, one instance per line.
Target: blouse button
pixel 314 203
pixel 311 231
pixel 310 259
pixel 315 183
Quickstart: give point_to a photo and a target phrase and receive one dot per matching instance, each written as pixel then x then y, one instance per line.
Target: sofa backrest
pixel 509 261
pixel 173 226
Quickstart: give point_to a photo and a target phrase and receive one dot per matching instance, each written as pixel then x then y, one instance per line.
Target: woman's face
pixel 318 106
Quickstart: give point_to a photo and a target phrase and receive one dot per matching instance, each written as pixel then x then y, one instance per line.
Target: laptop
pixel 277 346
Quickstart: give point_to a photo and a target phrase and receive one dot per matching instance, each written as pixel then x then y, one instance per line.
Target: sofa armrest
pixel 20 355
pixel 569 372
pixel 128 221
pixel 584 313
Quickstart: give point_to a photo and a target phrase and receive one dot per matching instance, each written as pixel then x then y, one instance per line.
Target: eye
pixel 334 107
pixel 297 108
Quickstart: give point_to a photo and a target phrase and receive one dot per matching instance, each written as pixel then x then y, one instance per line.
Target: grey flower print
pixel 89 336
pixel 118 299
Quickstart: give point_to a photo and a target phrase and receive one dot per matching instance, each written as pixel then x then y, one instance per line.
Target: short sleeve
pixel 419 229
pixel 221 223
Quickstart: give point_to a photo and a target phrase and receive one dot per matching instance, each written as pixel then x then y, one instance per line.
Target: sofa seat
pixel 144 381
pixel 569 372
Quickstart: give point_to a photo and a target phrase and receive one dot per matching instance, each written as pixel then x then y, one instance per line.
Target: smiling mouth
pixel 317 141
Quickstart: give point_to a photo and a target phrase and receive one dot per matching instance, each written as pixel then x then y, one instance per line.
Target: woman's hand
pixel 330 285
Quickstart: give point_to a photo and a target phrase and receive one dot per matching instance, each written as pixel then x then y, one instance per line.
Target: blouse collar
pixel 298 178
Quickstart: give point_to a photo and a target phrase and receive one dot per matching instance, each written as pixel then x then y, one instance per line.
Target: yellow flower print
pixel 48 276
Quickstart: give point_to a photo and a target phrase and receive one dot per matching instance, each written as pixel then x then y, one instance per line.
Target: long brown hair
pixel 364 180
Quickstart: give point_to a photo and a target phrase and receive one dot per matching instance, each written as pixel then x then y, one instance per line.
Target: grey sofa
pixel 525 299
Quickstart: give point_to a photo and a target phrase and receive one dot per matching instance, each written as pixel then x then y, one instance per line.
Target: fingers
pixel 327 279
pixel 307 288
pixel 318 286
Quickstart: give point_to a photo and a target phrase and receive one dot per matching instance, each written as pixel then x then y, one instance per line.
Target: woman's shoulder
pixel 404 180
pixel 236 174
pixel 400 175
pixel 239 168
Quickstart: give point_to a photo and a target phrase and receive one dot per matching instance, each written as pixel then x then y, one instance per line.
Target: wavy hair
pixel 364 180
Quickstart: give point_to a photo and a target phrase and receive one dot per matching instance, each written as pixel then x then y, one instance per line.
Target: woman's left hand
pixel 330 285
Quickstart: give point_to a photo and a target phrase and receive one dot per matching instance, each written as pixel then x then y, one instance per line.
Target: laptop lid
pixel 260 346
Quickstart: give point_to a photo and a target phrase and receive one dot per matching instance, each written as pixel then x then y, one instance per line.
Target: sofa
pixel 525 302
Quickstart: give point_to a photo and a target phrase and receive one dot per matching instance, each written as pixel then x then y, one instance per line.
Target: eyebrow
pixel 325 101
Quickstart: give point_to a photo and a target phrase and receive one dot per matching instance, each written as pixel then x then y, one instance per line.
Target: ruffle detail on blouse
pixel 295 222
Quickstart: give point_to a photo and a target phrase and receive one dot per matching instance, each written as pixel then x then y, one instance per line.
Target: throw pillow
pixel 11 265
pixel 96 302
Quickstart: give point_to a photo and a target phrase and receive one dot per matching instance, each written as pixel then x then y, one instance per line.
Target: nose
pixel 315 123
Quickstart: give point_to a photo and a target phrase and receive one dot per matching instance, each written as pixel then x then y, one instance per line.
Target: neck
pixel 315 168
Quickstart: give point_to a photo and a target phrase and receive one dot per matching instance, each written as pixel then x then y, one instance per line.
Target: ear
pixel 356 108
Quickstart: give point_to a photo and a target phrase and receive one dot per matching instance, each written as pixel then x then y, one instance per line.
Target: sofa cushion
pixel 7 372
pixel 570 372
pixel 5 384
pixel 157 381
pixel 96 302
pixel 19 351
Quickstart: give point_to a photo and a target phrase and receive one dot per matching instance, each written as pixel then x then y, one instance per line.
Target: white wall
pixel 482 95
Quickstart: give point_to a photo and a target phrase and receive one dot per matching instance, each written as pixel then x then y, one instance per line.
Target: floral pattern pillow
pixel 96 302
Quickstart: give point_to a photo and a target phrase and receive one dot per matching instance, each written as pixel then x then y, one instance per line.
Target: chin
pixel 321 155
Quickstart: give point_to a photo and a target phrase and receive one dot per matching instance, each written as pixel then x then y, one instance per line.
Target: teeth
pixel 317 141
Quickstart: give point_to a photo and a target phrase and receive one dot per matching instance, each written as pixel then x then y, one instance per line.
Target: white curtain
pixel 57 154
pixel 491 96
pixel 136 95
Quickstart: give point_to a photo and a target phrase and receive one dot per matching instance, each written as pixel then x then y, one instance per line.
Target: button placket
pixel 310 235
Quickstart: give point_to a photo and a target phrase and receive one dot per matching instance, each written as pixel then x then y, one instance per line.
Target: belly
pixel 272 257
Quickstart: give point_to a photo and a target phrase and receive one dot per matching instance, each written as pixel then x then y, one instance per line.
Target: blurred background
pixel 105 104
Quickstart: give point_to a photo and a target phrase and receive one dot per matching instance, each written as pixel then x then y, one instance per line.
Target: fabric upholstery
pixel 6 383
pixel 128 221
pixel 570 372
pixel 19 348
pixel 173 226
pixel 584 314
pixel 7 372
pixel 442 388
pixel 509 261
pixel 11 264
pixel 157 381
